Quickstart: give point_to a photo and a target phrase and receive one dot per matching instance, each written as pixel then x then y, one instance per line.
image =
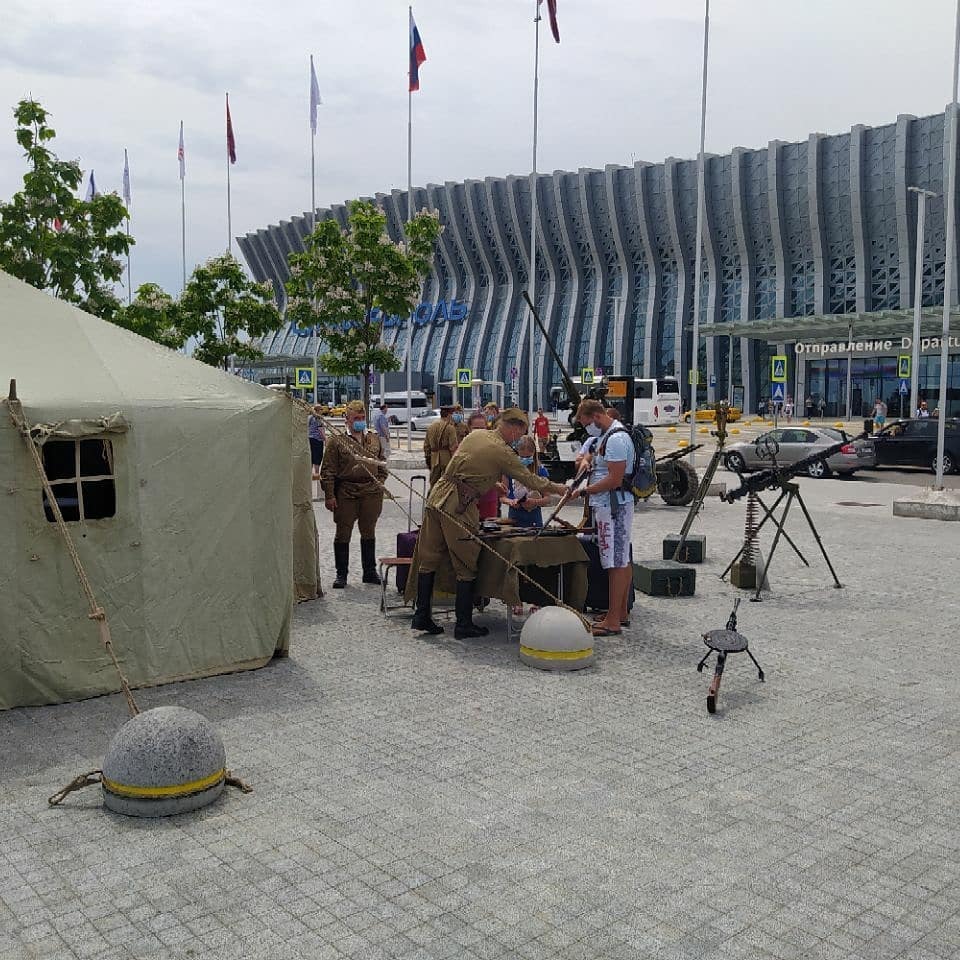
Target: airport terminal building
pixel 809 251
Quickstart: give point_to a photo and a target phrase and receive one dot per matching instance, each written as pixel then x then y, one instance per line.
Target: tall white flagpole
pixel 126 201
pixel 229 217
pixel 314 103
pixel 409 218
pixel 698 260
pixel 532 279
pixel 949 265
pixel 183 209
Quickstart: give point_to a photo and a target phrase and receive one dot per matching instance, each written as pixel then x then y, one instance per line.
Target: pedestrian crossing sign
pixel 464 377
pixel 586 376
pixel 778 368
pixel 903 366
pixel 778 393
pixel 304 378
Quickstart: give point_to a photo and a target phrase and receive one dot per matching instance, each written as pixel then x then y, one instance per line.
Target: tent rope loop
pixel 88 779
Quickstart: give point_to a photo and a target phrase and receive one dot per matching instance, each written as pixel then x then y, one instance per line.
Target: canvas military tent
pixel 175 479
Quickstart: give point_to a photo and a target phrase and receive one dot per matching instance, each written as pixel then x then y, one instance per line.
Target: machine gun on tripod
pixel 781 478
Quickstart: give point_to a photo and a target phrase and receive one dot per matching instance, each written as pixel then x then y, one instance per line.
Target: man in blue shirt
pixel 612 508
pixel 381 426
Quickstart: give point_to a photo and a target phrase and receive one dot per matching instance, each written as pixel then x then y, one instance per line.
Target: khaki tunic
pixel 438 447
pixel 359 497
pixel 462 430
pixel 481 460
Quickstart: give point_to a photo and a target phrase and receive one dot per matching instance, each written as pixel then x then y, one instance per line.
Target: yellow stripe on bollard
pixel 175 790
pixel 556 654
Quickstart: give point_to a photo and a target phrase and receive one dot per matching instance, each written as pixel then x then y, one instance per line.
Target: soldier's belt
pixel 465 494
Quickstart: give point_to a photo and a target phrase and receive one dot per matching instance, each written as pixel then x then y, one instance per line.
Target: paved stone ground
pixel 424 798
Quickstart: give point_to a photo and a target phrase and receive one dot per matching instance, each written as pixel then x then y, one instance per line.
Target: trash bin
pixel 868 425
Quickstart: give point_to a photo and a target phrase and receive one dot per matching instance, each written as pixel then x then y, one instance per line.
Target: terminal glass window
pixel 82 479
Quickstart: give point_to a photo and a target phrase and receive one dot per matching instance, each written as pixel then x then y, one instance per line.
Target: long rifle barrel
pixel 573 394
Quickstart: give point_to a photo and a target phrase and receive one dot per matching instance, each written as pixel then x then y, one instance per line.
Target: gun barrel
pixel 773 476
pixel 573 394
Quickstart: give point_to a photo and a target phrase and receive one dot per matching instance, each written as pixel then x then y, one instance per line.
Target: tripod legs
pixel 816 536
pixel 714 690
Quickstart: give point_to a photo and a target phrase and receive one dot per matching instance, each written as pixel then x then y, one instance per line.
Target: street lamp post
pixel 951 253
pixel 918 297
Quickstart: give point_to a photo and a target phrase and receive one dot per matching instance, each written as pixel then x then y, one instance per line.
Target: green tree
pixel 347 281
pixel 50 238
pixel 222 309
pixel 154 314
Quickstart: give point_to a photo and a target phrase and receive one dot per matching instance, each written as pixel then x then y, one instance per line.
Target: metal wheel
pixel 818 470
pixel 734 461
pixel 677 483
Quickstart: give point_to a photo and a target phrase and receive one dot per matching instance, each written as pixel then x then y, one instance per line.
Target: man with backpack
pixel 611 501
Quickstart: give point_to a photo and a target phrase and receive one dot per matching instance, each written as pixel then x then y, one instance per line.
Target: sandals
pixel 623 623
pixel 599 631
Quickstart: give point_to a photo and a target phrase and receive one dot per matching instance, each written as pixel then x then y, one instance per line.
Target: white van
pixel 397 405
pixel 656 403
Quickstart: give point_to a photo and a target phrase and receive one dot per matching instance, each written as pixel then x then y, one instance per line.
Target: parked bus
pixel 656 401
pixel 397 405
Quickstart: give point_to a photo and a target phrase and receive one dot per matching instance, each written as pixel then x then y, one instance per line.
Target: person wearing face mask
pixel 459 422
pixel 440 444
pixel 524 504
pixel 477 466
pixel 351 494
pixel 612 508
pixel 491 411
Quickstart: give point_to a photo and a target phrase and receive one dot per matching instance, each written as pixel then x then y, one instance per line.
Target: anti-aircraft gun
pixel 676 480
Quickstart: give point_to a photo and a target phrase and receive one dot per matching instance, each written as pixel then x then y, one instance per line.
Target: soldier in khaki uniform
pixel 440 444
pixel 351 493
pixel 483 457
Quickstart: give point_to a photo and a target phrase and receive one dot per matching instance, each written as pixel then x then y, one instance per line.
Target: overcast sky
pixel 623 85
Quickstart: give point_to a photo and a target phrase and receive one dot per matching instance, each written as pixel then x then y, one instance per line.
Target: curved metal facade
pixel 824 226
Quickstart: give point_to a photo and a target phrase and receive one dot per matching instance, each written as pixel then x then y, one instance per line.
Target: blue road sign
pixel 778 392
pixel 904 387
pixel 713 379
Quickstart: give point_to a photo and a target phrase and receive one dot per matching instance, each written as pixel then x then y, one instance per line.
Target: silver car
pixel 425 419
pixel 787 445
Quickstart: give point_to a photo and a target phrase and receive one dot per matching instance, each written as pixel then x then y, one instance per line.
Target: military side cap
pixel 515 413
pixel 355 406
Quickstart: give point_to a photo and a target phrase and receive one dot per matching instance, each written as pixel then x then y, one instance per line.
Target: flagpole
pixel 698 259
pixel 126 190
pixel 313 166
pixel 532 280
pixel 183 212
pixel 129 281
pixel 229 217
pixel 409 218
pixel 949 266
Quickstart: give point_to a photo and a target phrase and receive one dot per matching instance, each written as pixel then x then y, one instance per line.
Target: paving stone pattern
pixel 428 798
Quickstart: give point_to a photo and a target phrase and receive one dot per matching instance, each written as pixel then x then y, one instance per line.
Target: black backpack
pixel 642 480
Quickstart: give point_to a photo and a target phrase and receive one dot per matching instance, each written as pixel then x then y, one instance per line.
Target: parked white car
pixel 425 419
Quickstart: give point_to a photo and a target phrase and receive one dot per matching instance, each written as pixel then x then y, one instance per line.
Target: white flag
pixel 91 189
pixel 315 100
pixel 183 168
pixel 126 181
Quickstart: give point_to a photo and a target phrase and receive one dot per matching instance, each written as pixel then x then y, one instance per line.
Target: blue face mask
pixel 490 418
pixel 359 425
pixel 458 418
pixel 527 461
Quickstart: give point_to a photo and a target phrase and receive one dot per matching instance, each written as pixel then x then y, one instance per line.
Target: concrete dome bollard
pixel 164 761
pixel 554 638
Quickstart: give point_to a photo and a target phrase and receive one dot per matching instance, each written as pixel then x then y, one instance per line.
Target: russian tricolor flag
pixel 417 54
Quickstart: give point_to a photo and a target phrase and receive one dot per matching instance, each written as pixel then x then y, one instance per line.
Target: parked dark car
pixel 913 443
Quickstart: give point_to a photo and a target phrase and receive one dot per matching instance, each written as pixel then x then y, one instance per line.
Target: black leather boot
pixel 466 628
pixel 368 558
pixel 341 556
pixel 423 615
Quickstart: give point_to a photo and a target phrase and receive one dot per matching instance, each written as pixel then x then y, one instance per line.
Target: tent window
pixel 81 475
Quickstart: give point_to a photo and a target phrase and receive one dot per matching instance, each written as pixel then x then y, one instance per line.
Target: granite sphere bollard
pixel 555 638
pixel 164 761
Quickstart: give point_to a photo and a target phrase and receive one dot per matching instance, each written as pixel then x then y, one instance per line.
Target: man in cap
pixel 483 457
pixel 440 444
pixel 352 492
pixel 491 411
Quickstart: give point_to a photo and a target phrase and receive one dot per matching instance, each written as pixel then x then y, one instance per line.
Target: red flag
pixel 231 142
pixel 554 26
